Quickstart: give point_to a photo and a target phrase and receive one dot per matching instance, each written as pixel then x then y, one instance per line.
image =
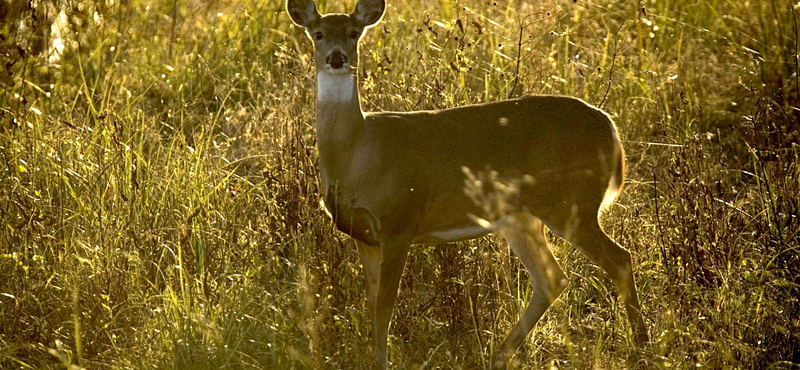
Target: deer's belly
pixel 452 235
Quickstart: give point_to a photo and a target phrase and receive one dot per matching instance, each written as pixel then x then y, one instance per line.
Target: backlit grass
pixel 159 205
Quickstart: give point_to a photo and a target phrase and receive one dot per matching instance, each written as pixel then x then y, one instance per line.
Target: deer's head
pixel 335 36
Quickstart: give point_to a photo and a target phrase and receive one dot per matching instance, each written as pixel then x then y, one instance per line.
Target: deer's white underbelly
pixel 452 235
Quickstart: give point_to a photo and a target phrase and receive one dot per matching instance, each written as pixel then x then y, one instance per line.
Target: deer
pixel 391 180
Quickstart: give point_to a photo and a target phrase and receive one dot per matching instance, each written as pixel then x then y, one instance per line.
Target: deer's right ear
pixel 302 12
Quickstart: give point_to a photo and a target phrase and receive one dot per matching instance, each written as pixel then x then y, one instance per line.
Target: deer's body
pixel 394 179
pixel 524 136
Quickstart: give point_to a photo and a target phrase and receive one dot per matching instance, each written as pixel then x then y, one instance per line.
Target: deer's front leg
pixel 393 259
pixel 371 261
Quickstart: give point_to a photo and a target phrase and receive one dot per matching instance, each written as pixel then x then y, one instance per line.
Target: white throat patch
pixel 334 88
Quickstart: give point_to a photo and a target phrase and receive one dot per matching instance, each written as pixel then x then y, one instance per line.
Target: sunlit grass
pixel 159 204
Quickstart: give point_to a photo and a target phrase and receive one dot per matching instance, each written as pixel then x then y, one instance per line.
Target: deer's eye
pixel 317 35
pixel 354 35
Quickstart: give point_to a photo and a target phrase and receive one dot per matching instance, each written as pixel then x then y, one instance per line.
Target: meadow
pixel 160 208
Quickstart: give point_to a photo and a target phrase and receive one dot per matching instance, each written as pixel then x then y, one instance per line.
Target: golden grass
pixel 159 204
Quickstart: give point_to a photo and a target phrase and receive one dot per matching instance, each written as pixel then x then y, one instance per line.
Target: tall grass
pixel 159 203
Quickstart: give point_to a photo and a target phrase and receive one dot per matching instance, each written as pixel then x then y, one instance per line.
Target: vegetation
pixel 159 204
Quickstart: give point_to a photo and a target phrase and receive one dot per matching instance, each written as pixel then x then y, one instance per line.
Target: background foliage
pixel 159 204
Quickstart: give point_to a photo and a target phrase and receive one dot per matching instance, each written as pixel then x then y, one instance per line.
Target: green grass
pixel 159 205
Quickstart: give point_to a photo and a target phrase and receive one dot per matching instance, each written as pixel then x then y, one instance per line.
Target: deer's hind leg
pixel 525 235
pixel 592 241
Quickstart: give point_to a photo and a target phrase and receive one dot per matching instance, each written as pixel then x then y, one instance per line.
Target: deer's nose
pixel 336 60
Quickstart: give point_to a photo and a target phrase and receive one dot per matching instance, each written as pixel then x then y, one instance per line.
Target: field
pixel 160 209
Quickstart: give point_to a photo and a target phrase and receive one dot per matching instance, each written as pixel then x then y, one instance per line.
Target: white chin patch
pixel 333 88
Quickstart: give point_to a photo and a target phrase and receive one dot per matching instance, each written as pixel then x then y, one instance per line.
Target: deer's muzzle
pixel 336 60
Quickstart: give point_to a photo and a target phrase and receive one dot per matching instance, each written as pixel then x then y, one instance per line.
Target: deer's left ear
pixel 369 12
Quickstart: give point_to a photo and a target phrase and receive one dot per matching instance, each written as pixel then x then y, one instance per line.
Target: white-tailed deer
pixel 394 179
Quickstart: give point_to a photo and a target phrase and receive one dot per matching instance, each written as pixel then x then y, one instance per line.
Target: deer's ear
pixel 369 12
pixel 302 12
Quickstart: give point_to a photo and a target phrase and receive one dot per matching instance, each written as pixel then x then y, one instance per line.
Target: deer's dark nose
pixel 336 60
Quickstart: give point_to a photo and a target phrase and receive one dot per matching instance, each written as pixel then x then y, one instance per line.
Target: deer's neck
pixel 340 124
